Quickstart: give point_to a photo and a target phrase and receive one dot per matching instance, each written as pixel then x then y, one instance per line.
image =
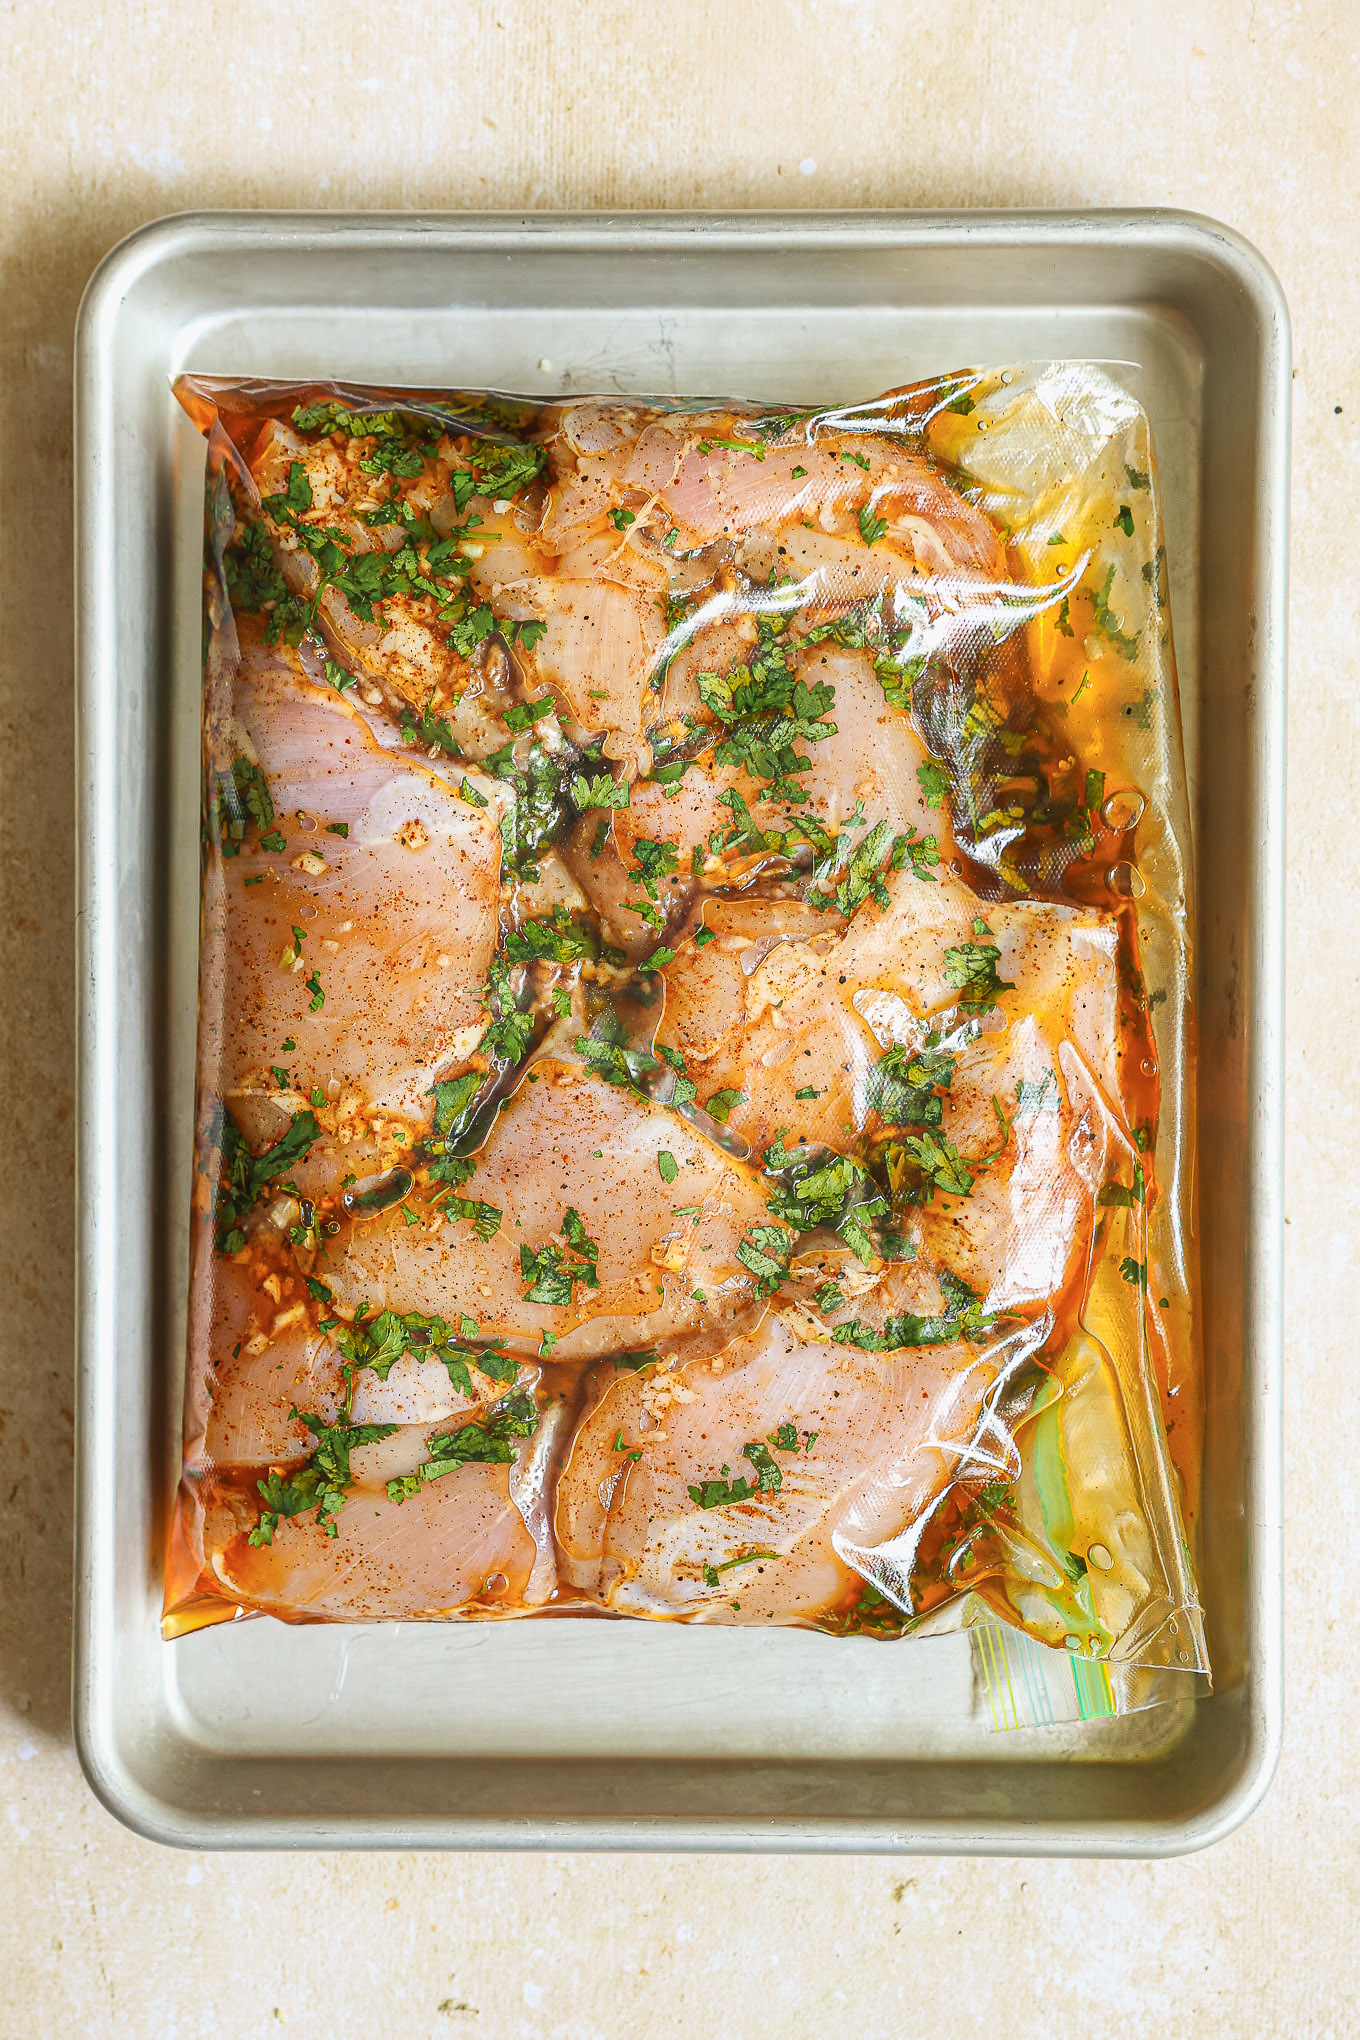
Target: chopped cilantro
pixel 235 799
pixel 713 1573
pixel 432 731
pixel 508 1037
pixel 971 967
pixel 557 938
pixel 600 791
pixel 826 1190
pixel 722 1105
pixel 718 1494
pixel 961 1318
pixel 667 1166
pixel 861 877
pixel 486 1441
pixel 526 714
pixel 764 1251
pixel 246 1176
pixel 919 1164
pixel 871 528
pixel 378 1343
pixel 934 782
pixel 1122 1194
pixel 320 1483
pixel 923 853
pixel 451 1101
pixel 552 1271
pixel 654 861
pixel 486 1218
pixel 908 1090
pixel 1107 623
pixel 766 710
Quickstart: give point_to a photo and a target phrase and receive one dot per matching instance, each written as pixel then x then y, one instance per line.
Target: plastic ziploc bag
pixel 695 1051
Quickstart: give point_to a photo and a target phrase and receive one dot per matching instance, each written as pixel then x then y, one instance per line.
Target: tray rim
pixel 1162 230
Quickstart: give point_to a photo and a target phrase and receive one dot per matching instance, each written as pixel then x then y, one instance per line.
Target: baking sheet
pixel 255 1733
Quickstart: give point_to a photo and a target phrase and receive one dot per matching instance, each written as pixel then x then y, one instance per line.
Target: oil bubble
pixel 376 1193
pixel 1126 880
pixel 1123 809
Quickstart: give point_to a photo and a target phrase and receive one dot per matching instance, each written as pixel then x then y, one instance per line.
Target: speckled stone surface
pixel 112 114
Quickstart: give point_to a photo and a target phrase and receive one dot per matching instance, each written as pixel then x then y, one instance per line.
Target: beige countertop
pixel 115 113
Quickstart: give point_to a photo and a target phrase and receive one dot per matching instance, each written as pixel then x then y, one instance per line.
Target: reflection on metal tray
pixel 589 1732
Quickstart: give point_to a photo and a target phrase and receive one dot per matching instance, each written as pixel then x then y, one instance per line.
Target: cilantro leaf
pixel 600 791
pixel 486 1218
pixel 653 862
pixel 971 968
pixel 722 1105
pixel 246 1176
pixel 961 1318
pixel 764 1251
pixel 320 1483
pixel 718 1494
pixel 908 1090
pixel 933 1161
pixel 486 1441
pixel 451 1101
pixel 862 878
pixel 237 798
pixel 934 781
pixel 526 714
pixel 552 1271
pixel 1107 623
pixel 557 938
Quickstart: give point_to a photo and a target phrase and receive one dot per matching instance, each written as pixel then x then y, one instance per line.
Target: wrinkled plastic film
pixel 695 1056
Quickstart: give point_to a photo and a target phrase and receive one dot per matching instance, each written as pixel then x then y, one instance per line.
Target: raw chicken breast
pixel 824 1422
pixel 387 1561
pixel 568 1142
pixel 360 915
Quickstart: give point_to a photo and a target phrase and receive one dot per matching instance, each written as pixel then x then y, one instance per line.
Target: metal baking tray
pixel 618 1735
